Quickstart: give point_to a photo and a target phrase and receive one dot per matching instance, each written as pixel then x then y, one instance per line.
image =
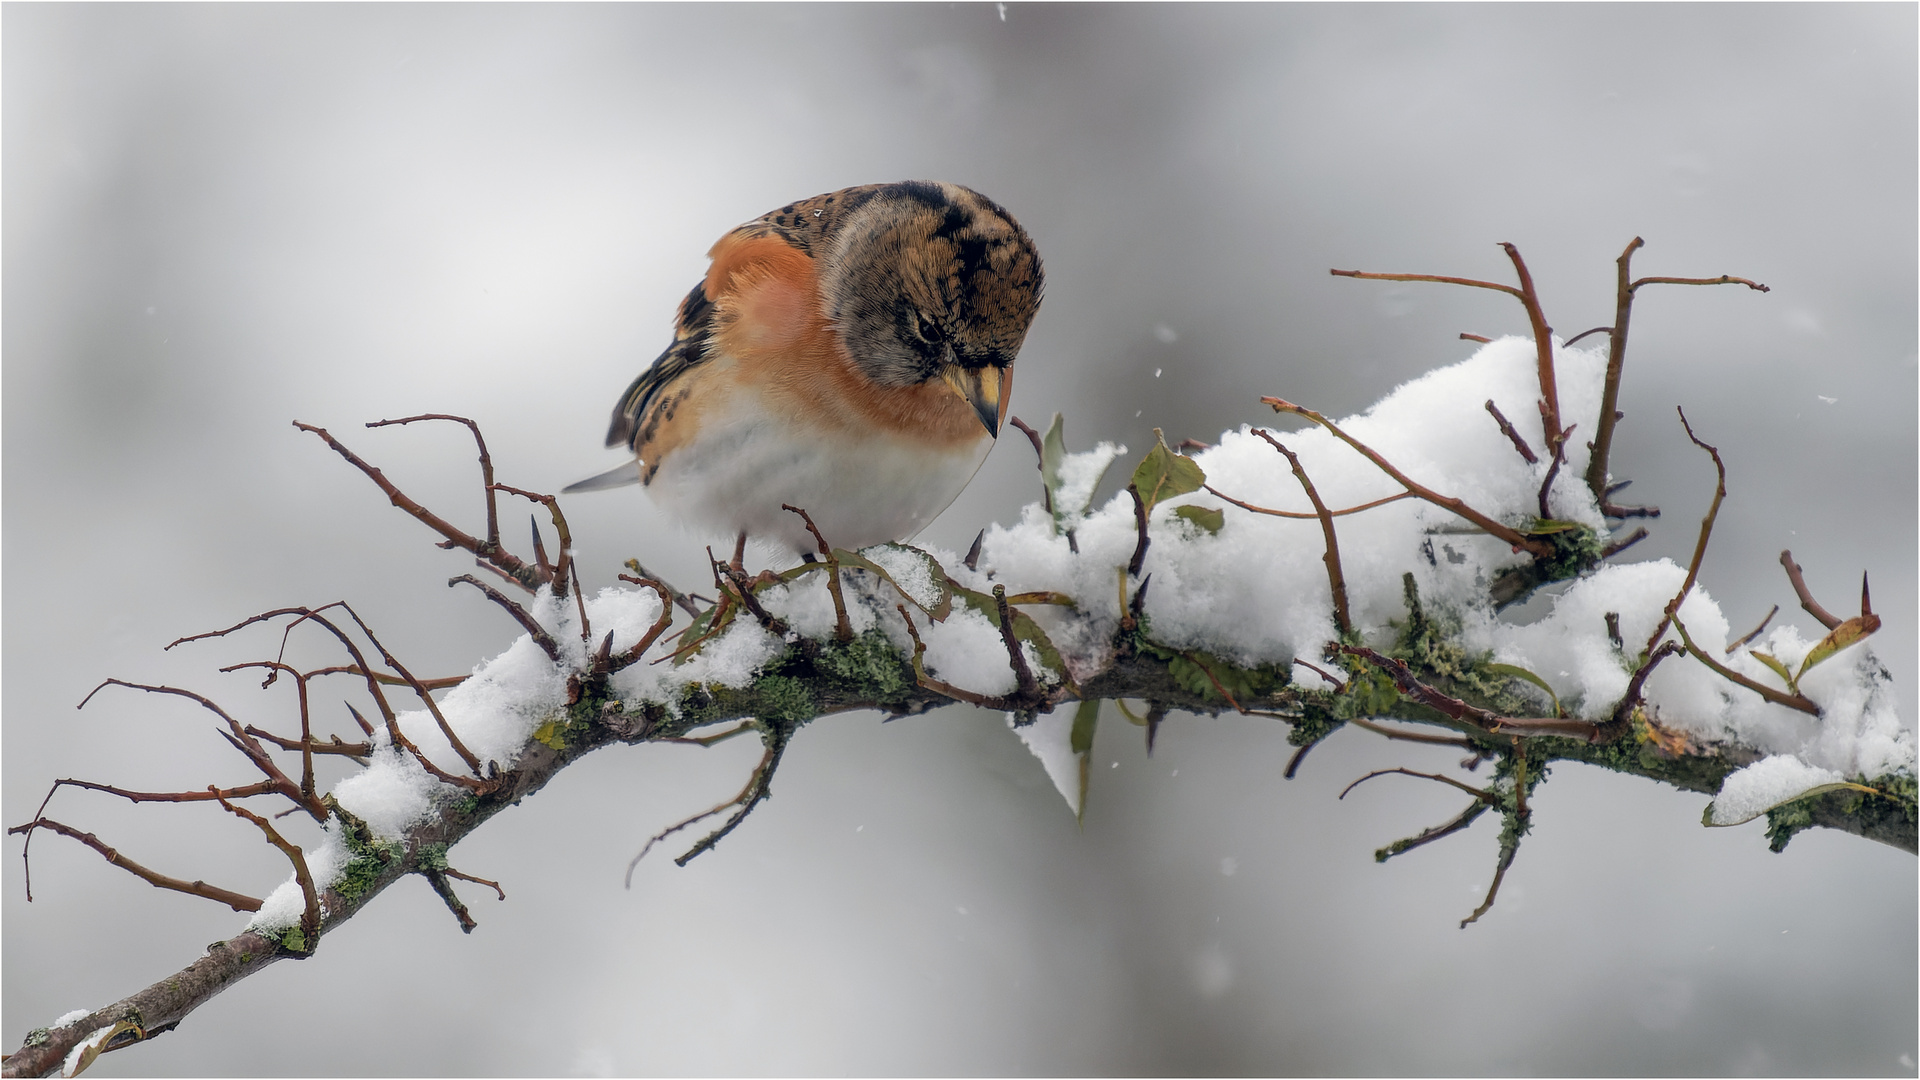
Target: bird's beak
pixel 984 388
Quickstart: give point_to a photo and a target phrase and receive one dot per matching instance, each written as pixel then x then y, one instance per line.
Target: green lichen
pixel 432 857
pixel 37 1037
pixel 293 939
pixel 784 700
pixel 868 667
pixel 370 860
pixel 1784 822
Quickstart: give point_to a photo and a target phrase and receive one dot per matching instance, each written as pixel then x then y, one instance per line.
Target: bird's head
pixel 930 281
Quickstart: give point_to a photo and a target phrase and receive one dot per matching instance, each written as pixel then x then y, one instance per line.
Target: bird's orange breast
pixel 769 321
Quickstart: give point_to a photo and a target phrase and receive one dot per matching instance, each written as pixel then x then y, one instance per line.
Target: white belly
pixel 860 489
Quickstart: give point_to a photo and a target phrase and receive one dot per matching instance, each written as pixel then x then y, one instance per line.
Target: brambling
pixel 850 354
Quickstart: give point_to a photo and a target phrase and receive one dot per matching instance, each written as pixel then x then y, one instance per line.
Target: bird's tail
pixel 619 476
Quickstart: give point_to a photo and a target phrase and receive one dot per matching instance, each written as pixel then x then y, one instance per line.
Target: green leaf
pixel 1085 718
pixel 943 598
pixel 1779 668
pixel 1706 816
pixel 1162 474
pixel 1132 717
pixel 1207 518
pixel 1527 676
pixel 1053 450
pixel 1847 633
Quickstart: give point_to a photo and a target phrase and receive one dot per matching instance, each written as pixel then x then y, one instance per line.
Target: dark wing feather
pixel 805 224
pixel 691 330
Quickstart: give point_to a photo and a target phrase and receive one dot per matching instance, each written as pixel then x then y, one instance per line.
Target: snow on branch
pixel 1348 572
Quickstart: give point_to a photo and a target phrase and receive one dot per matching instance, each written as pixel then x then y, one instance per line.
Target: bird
pixel 850 355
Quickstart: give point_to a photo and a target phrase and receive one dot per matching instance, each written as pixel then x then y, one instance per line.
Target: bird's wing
pixel 804 225
pixel 692 329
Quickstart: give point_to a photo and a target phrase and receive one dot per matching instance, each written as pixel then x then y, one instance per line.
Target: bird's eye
pixel 925 329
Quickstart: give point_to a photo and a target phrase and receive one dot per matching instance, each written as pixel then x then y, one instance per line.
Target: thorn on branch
pixel 972 561
pixel 1568 344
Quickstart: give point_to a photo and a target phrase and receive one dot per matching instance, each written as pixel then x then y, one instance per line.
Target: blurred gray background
pixel 223 218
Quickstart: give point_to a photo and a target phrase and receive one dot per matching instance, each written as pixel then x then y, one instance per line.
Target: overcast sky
pixel 223 218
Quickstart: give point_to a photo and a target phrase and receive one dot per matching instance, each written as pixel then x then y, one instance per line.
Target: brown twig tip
pixel 1032 436
pixel 1023 675
pixel 1756 631
pixel 1513 436
pixel 1140 524
pixel 1826 618
pixel 842 629
pixel 1568 344
pixel 1481 338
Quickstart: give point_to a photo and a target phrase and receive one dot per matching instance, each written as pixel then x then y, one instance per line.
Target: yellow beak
pixel 984 388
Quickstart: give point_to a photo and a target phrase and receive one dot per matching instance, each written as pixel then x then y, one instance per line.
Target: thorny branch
pixel 1524 744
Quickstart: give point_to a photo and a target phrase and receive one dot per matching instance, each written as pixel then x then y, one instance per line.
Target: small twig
pixel 1507 429
pixel 1791 701
pixel 1827 618
pixel 494 885
pixel 1507 852
pixel 488 549
pixel 1410 736
pixel 1299 516
pixel 1023 675
pixel 1543 346
pixel 709 740
pixel 842 629
pixel 1700 546
pixel 235 734
pixel 680 599
pixel 1723 279
pixel 1756 631
pixel 1040 459
pixel 520 615
pixel 1339 687
pixel 420 691
pixel 1613 630
pixel 1460 711
pixel 1192 444
pixel 929 682
pixel 1140 523
pixel 1537 548
pixel 1623 712
pixel 653 633
pixel 1215 680
pixel 1336 579
pixel 1553 470
pixel 1619 546
pixel 310 915
pixel 1293 763
pixel 1483 796
pixel 234 900
pixel 1481 338
pixel 438 879
pixel 1568 344
pixel 343 749
pixel 486 464
pixel 737 585
pixel 1427 836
